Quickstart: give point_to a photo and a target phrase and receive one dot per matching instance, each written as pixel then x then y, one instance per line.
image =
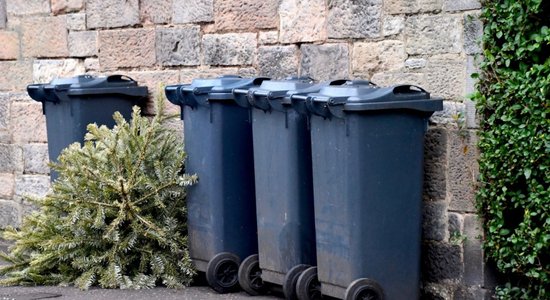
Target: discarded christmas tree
pixel 115 217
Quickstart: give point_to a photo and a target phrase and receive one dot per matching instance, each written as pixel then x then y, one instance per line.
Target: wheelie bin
pixel 221 206
pixel 70 104
pixel 284 186
pixel 367 177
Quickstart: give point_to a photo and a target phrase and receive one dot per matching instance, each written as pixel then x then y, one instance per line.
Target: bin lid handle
pixel 119 78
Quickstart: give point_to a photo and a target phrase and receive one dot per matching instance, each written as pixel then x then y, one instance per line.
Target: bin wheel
pixel 364 289
pixel 289 283
pixel 250 276
pixel 308 286
pixel 221 272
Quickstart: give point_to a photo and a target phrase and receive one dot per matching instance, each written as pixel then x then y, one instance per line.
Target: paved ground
pixel 63 293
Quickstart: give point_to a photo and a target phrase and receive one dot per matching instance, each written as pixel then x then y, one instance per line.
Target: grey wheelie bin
pixel 284 186
pixel 221 206
pixel 70 104
pixel 367 170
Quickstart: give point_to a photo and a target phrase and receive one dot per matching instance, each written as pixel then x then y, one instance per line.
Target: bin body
pixel 218 143
pixel 368 177
pixel 71 104
pixel 283 177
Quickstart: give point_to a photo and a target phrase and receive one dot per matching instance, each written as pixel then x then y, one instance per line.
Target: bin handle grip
pixel 406 88
pixel 119 78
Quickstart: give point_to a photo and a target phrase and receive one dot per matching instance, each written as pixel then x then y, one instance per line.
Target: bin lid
pixel 394 97
pixel 338 92
pixel 274 89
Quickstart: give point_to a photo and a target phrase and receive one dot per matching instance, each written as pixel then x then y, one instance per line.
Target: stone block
pixel 83 43
pixel 10 45
pixel 472 66
pixel 44 37
pixel 278 61
pixel 46 70
pixel 452 114
pixel 433 34
pixel 229 49
pixel 473 32
pixel 4 110
pixel 431 291
pixel 471 292
pixel 412 6
pixel 192 11
pixel 374 57
pixel 155 11
pixel 473 253
pixel 463 170
pixel 91 64
pixel 434 221
pixel 5 137
pixel 415 63
pixel 471 118
pixel 155 81
pixel 302 21
pixel 246 15
pixel 393 25
pixel 11 159
pixel 435 165
pixel 446 76
pixel 35 159
pixel 456 225
pixel 20 74
pixel 76 22
pixel 324 62
pixel 66 6
pixel 28 124
pixel 3 14
pixel 112 14
pixel 187 75
pixel 354 19
pixel 391 78
pixel 9 214
pixel 126 48
pixel 268 37
pixel 35 186
pixel 7 184
pixel 457 5
pixel 441 261
pixel 27 7
pixel 178 46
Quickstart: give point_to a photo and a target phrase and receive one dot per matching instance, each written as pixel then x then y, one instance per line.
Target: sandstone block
pixel 28 124
pixel 302 21
pixel 436 291
pixel 434 221
pixel 178 46
pixel 354 19
pixel 11 159
pixel 415 63
pixel 155 81
pixel 324 62
pixel 192 11
pixel 471 118
pixel 7 183
pixel 35 159
pixel 441 261
pixel 229 49
pixel 456 5
pixel 456 224
pixel 452 114
pixel 473 254
pixel 412 7
pixel 91 64
pixel 31 186
pixel 45 71
pixel 44 37
pixel 472 292
pixel 127 48
pixel 27 7
pixel 76 22
pixel 9 213
pixel 83 43
pixel 463 170
pixel 187 75
pixel 473 32
pixel 435 165
pixel 375 57
pixel 278 61
pixel 391 78
pixel 472 66
pixel 112 14
pixel 155 11
pixel 268 37
pixel 246 15
pixel 393 25
pixel 3 15
pixel 446 76
pixel 20 75
pixel 433 34
pixel 4 111
pixel 66 6
pixel 10 45
pixel 4 136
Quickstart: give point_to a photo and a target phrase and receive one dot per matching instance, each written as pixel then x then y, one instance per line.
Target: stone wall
pixel 432 43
